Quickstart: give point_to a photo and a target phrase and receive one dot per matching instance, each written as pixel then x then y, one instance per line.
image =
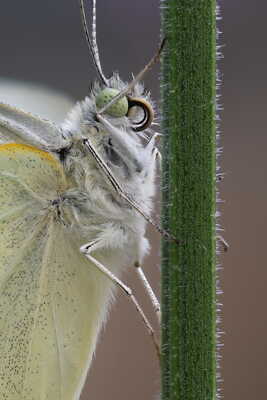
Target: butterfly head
pixel 113 124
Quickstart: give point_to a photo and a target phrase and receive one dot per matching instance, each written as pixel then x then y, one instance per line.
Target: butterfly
pixel 75 199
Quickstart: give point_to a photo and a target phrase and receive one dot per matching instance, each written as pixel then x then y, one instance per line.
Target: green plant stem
pixel 188 199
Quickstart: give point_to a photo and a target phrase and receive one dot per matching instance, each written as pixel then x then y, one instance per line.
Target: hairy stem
pixel 188 199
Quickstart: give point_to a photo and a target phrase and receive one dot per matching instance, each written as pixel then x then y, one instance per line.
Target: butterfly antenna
pixel 92 44
pixel 137 79
pixel 95 47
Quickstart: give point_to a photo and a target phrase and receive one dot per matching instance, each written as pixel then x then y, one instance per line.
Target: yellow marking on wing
pixel 13 148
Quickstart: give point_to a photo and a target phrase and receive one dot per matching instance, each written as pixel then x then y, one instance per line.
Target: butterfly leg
pixel 149 290
pixel 87 249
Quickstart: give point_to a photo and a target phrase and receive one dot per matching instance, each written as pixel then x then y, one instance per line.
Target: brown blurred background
pixel 41 42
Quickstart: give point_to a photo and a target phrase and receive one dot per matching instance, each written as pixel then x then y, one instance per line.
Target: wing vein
pixel 41 287
pixel 58 347
pixel 18 258
pixel 26 187
pixel 15 266
pixel 13 210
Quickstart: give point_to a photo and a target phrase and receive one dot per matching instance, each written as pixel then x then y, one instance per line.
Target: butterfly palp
pixel 148 114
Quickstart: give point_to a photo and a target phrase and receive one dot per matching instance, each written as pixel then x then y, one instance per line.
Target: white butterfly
pixel 74 202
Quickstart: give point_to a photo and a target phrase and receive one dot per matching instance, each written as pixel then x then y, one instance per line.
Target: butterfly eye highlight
pixel 141 112
pixel 118 109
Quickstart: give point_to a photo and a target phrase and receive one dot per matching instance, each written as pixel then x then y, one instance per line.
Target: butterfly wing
pixel 45 102
pixel 21 127
pixel 51 300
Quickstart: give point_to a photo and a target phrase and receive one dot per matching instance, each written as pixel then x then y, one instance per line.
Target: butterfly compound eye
pixel 141 112
pixel 138 110
pixel 118 109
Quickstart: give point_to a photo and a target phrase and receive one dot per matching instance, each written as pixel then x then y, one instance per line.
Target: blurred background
pixel 42 43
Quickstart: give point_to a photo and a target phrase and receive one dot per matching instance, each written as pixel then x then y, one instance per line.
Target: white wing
pixel 52 301
pixel 21 127
pixel 43 101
